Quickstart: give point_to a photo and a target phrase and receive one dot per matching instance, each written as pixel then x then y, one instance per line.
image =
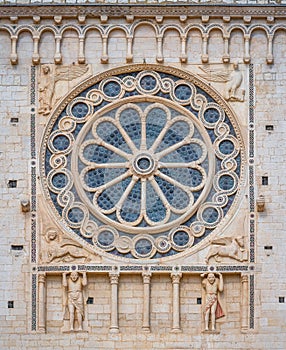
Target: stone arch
pixel 171 44
pixel 144 41
pixel 194 35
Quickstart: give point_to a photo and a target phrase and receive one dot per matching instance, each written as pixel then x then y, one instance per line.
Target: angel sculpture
pixel 231 247
pixel 49 76
pixel 233 80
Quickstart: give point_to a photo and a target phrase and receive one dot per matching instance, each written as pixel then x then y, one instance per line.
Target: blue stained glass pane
pixel 155 122
pixel 61 142
pixel 101 155
pixel 210 215
pixel 187 177
pixel 109 197
pixel 98 177
pixel 226 182
pixel 106 238
pixel 174 195
pixel 181 238
pixel 155 208
pixel 59 180
pixel 130 210
pixel 94 178
pixel 131 122
pixel 177 132
pixel 143 246
pixel 226 147
pixel 183 92
pixel 112 89
pixel 148 82
pixel 80 110
pixel 110 134
pixel 75 215
pixel 211 115
pixel 187 153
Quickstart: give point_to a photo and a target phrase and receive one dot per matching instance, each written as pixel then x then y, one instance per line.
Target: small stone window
pixel 281 300
pixel 11 304
pixel 90 300
pixel 17 247
pixel 12 183
pixel 264 180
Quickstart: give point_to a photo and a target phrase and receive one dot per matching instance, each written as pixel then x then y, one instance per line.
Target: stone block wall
pixel 19 98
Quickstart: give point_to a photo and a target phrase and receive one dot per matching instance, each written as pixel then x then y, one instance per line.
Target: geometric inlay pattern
pixel 142 164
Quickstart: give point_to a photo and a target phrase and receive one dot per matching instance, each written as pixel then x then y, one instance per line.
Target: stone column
pixel 246 57
pixel 104 56
pixel 36 56
pixel 42 302
pixel 176 302
pixel 244 303
pixel 81 56
pixel 14 56
pixel 184 56
pixel 114 279
pixel 225 57
pixel 58 55
pixel 205 56
pixel 269 57
pixel 129 56
pixel 159 57
pixel 146 301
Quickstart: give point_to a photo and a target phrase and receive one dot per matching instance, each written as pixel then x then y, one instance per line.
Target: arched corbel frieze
pixel 218 28
pixel 265 30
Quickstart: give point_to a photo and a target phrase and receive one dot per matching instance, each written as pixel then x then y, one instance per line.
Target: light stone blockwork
pixel 106 242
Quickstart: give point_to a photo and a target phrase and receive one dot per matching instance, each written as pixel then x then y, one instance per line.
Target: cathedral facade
pixel 143 188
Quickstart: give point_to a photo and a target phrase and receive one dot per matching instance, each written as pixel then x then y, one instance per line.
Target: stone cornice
pixel 146 11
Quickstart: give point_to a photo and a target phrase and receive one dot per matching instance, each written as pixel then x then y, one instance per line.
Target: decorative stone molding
pixel 184 29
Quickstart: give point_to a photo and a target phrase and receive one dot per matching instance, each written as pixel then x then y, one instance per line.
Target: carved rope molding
pixel 129 30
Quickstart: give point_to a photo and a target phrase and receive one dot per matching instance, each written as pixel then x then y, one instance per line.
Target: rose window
pixel 142 164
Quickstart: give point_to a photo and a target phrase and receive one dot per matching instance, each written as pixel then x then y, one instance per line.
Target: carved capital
pixel 146 277
pixel 42 278
pixel 176 277
pixel 244 278
pixel 114 277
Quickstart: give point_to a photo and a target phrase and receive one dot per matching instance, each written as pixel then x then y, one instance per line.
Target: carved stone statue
pixel 233 79
pixel 74 303
pixel 231 247
pixel 46 89
pixel 49 76
pixel 62 250
pixel 212 308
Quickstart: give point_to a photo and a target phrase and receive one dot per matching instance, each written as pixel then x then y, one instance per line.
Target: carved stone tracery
pixel 151 171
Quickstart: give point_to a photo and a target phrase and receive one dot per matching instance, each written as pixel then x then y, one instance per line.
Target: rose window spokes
pixel 143 164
